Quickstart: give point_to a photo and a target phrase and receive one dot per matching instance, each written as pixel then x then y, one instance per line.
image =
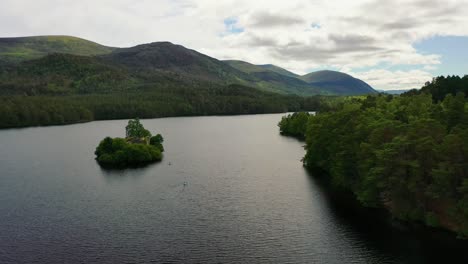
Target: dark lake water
pixel 247 200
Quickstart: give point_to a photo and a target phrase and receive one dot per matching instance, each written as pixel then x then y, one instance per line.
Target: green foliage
pixel 26 48
pixel 431 219
pixel 119 152
pixel 408 154
pixel 442 86
pixel 147 102
pixel 64 74
pixel 294 125
pixel 135 129
pixel 157 142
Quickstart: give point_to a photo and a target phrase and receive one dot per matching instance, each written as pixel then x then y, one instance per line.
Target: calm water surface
pixel 248 200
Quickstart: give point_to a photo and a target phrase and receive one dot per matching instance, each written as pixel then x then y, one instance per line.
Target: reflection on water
pixel 229 190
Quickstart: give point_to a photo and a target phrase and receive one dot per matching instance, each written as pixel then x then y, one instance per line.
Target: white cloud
pixel 394 80
pixel 352 34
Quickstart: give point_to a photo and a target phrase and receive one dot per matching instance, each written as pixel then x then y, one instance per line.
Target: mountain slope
pixel 279 70
pixel 337 82
pixel 321 82
pixel 27 48
pixel 61 74
pixel 273 78
pixel 251 68
pixel 158 63
pixel 168 57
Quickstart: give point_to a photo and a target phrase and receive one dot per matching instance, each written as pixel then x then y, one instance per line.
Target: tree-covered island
pixel 138 147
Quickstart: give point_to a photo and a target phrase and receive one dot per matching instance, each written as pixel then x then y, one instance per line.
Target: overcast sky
pixel 390 44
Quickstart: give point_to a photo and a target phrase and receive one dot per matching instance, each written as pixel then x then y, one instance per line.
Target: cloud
pixel 267 20
pixel 295 34
pixel 394 80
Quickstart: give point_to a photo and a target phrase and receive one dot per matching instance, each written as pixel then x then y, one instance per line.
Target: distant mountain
pixel 275 79
pixel 393 91
pixel 27 48
pixel 337 82
pixel 160 63
pixel 320 82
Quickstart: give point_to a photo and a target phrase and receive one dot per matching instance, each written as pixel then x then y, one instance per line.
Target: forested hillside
pixel 60 80
pixel 27 48
pixel 153 62
pixel 408 154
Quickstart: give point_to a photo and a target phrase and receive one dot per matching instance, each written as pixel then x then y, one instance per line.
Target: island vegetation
pixel 139 147
pixel 407 154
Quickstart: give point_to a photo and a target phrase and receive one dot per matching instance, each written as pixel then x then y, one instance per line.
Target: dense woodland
pixel 441 86
pixel 63 89
pixel 408 154
pixel 18 111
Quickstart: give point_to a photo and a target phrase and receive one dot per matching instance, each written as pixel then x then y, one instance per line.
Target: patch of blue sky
pixel 316 25
pixel 231 26
pixel 453 51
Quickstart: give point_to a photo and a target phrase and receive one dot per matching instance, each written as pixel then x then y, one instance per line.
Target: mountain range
pixel 64 64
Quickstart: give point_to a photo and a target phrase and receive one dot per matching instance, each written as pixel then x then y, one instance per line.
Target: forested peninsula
pixel 407 154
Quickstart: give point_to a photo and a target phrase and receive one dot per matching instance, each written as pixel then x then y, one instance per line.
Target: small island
pixel 138 147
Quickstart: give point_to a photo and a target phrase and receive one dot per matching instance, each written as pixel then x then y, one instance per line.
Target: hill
pixel 171 58
pixel 252 68
pixel 274 79
pixel 321 82
pixel 27 48
pixel 157 62
pixel 337 82
pixel 62 74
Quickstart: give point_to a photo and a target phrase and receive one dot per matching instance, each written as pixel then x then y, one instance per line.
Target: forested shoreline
pixel 407 154
pixel 148 81
pixel 42 110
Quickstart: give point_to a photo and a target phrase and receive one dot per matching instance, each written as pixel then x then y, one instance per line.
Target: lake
pixel 247 200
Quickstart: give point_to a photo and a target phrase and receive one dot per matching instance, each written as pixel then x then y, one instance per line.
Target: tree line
pixel 408 154
pixel 20 110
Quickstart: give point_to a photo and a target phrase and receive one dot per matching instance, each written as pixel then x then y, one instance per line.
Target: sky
pixel 391 44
